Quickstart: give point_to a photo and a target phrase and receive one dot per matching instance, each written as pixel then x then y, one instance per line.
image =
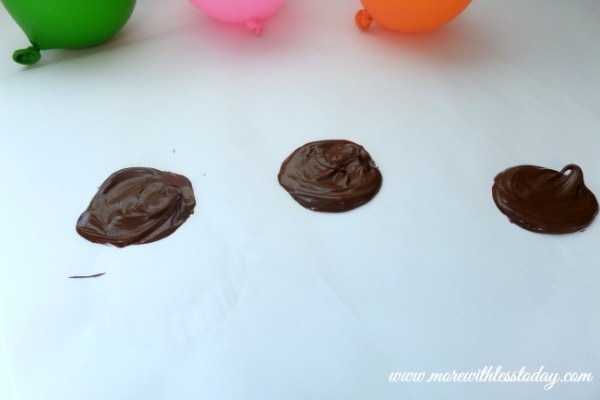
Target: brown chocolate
pixel 330 175
pixel 137 206
pixel 543 200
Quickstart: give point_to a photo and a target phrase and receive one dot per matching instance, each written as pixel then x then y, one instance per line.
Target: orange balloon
pixel 409 16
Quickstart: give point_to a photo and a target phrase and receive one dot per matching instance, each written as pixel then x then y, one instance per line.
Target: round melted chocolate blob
pixel 137 206
pixel 330 175
pixel 543 200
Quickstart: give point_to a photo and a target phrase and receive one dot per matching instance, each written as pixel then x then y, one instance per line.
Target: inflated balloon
pixel 66 24
pixel 409 16
pixel 249 12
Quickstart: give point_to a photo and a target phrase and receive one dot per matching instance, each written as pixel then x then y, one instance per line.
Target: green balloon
pixel 66 24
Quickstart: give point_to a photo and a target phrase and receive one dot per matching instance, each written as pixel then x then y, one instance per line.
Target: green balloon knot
pixel 28 56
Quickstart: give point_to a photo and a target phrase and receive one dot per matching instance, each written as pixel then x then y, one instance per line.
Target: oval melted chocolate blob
pixel 330 175
pixel 137 206
pixel 543 200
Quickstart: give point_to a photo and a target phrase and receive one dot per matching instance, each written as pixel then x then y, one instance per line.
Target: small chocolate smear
pixel 87 276
pixel 543 200
pixel 330 175
pixel 137 206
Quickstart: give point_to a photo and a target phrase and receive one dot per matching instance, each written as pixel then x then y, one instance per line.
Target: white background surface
pixel 255 297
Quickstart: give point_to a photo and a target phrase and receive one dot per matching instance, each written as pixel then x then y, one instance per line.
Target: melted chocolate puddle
pixel 330 175
pixel 543 200
pixel 137 206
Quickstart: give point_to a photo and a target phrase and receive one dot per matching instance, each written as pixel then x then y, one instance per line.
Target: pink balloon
pixel 250 12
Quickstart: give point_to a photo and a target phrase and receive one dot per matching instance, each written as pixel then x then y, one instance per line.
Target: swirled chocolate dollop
pixel 330 175
pixel 543 200
pixel 137 206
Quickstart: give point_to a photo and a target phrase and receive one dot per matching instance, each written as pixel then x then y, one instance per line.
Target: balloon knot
pixel 255 26
pixel 28 56
pixel 363 20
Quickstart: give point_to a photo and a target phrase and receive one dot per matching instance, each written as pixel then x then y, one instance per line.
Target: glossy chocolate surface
pixel 137 206
pixel 543 200
pixel 330 175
